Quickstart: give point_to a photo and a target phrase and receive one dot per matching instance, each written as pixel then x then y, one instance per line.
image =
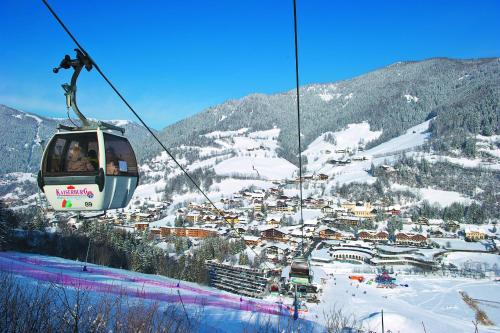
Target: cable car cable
pixel 125 101
pixel 298 115
pixel 142 121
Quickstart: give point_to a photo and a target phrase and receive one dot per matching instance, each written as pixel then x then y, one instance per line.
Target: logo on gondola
pixel 66 204
pixel 71 191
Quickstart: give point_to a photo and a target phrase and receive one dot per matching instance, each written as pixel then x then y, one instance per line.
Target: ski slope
pixel 433 301
pixel 222 311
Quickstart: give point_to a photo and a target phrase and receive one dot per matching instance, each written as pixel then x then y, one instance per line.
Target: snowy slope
pixel 414 137
pixel 240 157
pixel 321 150
pixel 222 311
pixel 435 301
pixel 434 196
pixel 256 167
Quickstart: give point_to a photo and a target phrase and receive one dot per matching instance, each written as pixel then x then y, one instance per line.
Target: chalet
pixel 259 216
pixel 348 221
pixel 436 233
pixel 305 178
pixel 366 235
pixel 141 217
pixel 403 238
pixel 394 212
pixel 194 206
pixel 348 205
pixel 231 218
pixel 277 251
pixel 187 232
pixel 141 226
pixel 473 234
pixel 283 207
pixel 339 162
pixel 257 205
pixel 387 168
pixel 363 210
pixel 373 236
pixel 332 234
pixel 274 234
pixel 452 226
pixel 422 221
pixel 328 210
pixel 322 176
pixel 209 218
pixel 251 240
pixel 381 237
pixel 240 229
pixel 273 221
pixel 156 232
pixel 192 217
pixel 275 191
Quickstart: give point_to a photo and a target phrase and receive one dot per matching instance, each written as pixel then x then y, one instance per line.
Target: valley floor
pixel 434 301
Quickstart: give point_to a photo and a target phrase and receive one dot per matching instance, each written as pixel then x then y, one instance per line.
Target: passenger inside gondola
pixel 92 156
pixel 77 162
pixel 111 162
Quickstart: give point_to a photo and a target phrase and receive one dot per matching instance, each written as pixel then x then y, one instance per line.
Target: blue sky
pixel 172 59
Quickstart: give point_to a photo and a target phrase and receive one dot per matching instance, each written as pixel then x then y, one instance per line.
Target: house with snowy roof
pixel 276 250
pixel 412 239
pixel 474 234
pixel 325 232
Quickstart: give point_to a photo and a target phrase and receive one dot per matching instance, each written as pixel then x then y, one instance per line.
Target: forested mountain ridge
pixel 464 94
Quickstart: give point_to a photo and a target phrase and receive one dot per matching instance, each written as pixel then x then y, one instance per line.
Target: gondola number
pixel 88 204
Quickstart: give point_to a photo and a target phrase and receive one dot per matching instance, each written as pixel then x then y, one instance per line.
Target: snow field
pixel 221 311
pixel 435 301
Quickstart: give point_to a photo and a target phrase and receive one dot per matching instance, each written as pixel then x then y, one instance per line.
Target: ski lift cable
pixel 80 47
pixel 298 115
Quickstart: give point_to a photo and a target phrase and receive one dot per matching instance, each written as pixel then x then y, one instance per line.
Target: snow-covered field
pixel 434 196
pixel 221 311
pixel 433 301
pixel 257 167
pixel 247 158
pixel 414 137
pixel 321 150
pixel 461 258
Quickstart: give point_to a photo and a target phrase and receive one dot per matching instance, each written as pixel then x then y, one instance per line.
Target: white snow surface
pixel 257 167
pixel 229 186
pixel 435 301
pixel 414 137
pixel 461 258
pixel 221 311
pixel 320 151
pixel 434 196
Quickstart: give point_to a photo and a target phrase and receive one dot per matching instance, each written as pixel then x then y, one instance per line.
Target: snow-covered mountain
pixel 447 108
pixel 464 93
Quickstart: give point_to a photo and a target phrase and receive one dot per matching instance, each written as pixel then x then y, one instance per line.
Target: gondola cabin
pixel 300 272
pixel 88 170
